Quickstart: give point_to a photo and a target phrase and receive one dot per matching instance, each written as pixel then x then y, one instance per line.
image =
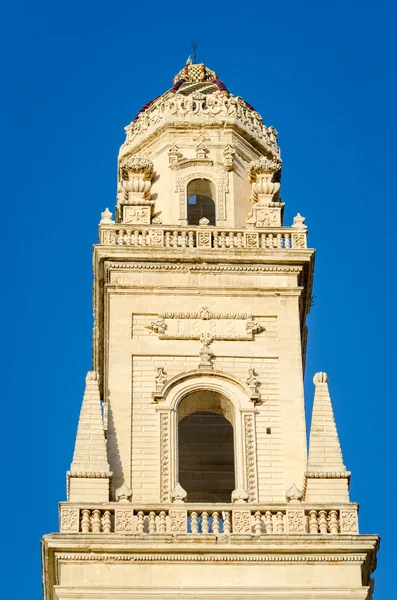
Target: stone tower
pixel 190 476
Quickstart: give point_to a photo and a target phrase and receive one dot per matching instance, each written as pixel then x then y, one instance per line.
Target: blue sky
pixel 74 74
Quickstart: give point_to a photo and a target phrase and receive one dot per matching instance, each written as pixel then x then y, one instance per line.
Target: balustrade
pixel 200 237
pixel 206 520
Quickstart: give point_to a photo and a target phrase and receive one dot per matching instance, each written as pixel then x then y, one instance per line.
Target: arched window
pixel 206 447
pixel 200 201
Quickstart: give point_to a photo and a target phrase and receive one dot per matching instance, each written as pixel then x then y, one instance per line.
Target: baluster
pixel 322 521
pixel 135 238
pixel 313 523
pixel 279 522
pixel 106 522
pixel 263 240
pixel 120 237
pixel 141 525
pixel 227 528
pixel 333 521
pixel 279 242
pixel 162 522
pixel 215 522
pixel 271 241
pixel 145 238
pixel 96 521
pixel 239 243
pixel 268 522
pixel 258 523
pixel 167 239
pixel 231 239
pixel 191 239
pixel 204 522
pixel 183 239
pixel 85 521
pixel 287 240
pixel 194 522
pixel 152 522
pixel 128 237
pixel 174 239
pixel 216 239
pixel 223 240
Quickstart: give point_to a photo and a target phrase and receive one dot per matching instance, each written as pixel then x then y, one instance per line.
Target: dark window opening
pixel 200 201
pixel 206 447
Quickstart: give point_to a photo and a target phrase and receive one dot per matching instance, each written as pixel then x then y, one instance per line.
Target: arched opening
pixel 206 447
pixel 200 201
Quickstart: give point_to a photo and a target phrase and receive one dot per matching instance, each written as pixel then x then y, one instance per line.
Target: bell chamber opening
pixel 200 201
pixel 206 447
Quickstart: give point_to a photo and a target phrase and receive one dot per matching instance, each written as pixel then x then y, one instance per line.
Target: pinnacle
pixel 325 453
pixel 90 454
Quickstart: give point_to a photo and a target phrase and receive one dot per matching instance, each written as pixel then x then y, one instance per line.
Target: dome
pixel 199 97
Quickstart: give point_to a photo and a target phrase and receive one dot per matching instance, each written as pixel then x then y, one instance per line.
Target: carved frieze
pixel 193 325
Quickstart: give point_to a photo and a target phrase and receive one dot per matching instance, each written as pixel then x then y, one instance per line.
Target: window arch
pixel 200 201
pixel 206 454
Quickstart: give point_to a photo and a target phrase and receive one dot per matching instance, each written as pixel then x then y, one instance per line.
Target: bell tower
pixel 190 476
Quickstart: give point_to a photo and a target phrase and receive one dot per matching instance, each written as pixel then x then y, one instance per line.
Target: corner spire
pixel 326 476
pixel 324 447
pixel 89 474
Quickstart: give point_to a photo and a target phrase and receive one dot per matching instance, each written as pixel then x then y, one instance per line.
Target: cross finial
pixel 194 48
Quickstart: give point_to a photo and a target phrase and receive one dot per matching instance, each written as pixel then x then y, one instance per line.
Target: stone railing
pixel 201 237
pixel 198 519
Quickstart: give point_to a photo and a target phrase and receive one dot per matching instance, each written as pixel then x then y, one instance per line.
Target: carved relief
pixel 250 453
pixel 296 521
pixel 241 521
pixel 70 520
pixel 299 240
pixel 205 353
pixel 228 158
pixel 178 521
pixel 348 521
pixel 164 457
pixel 136 215
pixel 160 378
pixel 192 325
pixel 203 106
pixel 123 520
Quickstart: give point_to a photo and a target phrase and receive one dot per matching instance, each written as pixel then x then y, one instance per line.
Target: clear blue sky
pixel 74 74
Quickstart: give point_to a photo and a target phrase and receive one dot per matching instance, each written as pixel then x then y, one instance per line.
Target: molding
pixel 208 558
pixel 221 183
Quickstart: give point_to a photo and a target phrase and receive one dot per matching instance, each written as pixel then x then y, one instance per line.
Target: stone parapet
pixel 203 237
pixel 192 520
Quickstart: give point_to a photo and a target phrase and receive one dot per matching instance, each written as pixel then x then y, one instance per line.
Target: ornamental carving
pixel 215 106
pixel 221 185
pixel 250 453
pixel 70 520
pixel 299 240
pixel 135 175
pixel 228 158
pixel 296 521
pixel 241 521
pixel 178 521
pixel 193 325
pixel 164 458
pixel 123 520
pixel 348 521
